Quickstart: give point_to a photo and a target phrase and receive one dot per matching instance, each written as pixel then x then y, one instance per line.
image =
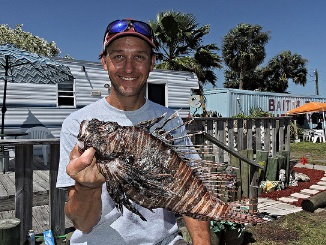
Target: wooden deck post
pixel 57 196
pixel 10 231
pixel 24 187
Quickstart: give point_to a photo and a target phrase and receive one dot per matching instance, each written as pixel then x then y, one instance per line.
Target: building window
pixel 66 94
pixel 156 93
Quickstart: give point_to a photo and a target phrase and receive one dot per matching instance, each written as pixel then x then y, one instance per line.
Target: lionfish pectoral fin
pixel 148 183
pixel 146 125
pixel 119 197
pixel 116 193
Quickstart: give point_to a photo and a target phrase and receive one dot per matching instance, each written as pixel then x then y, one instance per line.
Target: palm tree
pixel 243 49
pixel 179 46
pixel 253 80
pixel 274 76
pixel 283 67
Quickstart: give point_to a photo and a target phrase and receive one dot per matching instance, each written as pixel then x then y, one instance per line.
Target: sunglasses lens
pixel 143 28
pixel 118 26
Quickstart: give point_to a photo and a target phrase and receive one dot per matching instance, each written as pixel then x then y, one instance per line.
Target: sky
pixel 77 27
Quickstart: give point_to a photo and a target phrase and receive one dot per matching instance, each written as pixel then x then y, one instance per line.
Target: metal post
pixel 317 88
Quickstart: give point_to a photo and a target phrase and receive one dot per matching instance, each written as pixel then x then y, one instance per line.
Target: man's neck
pixel 126 103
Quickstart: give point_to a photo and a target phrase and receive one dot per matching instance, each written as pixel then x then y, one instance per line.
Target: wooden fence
pixel 271 134
pixel 257 147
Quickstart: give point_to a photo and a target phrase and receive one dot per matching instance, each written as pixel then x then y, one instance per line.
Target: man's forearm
pixel 84 207
pixel 198 230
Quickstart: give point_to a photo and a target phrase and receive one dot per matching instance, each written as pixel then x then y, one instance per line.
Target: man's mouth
pixel 128 78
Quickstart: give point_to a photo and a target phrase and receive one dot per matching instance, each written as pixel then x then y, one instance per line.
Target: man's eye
pixel 117 57
pixel 140 57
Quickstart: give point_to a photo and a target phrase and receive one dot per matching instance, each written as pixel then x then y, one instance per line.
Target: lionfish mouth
pixel 82 135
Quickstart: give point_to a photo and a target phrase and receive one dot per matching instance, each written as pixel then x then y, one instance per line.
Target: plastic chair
pixel 319 134
pixel 39 133
pixel 307 134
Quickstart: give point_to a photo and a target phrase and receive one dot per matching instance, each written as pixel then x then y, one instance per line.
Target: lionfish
pixel 148 169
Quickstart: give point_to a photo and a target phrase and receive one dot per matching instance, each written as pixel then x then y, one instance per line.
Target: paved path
pixel 283 205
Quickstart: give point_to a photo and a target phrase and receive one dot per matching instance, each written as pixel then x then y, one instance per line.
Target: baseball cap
pixel 128 27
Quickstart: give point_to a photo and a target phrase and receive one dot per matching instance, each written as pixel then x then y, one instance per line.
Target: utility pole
pixel 316 75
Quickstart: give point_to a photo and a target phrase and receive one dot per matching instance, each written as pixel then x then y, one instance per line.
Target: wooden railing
pixel 24 184
pixel 270 134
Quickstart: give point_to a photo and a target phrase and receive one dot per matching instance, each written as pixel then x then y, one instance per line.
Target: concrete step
pixel 276 208
pixel 300 195
pixel 309 191
pixel 321 183
pixel 288 199
pixel 318 187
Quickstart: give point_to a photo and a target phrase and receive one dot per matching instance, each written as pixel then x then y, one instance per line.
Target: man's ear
pixel 104 63
pixel 153 62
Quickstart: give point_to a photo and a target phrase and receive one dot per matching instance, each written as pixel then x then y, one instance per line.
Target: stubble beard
pixel 138 92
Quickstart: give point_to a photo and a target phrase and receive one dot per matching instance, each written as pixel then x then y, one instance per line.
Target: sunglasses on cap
pixel 118 26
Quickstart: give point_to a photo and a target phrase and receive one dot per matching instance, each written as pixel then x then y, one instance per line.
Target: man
pixel 128 58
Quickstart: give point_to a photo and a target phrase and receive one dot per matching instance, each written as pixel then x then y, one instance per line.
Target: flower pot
pixel 232 237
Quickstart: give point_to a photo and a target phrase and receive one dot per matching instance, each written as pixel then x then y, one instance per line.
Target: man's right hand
pixel 83 169
pixel 84 204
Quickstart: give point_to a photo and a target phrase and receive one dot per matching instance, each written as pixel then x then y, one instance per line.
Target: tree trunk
pixel 317 201
pixel 203 105
pixel 241 80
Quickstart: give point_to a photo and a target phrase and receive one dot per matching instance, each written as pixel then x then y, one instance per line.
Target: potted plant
pixel 228 233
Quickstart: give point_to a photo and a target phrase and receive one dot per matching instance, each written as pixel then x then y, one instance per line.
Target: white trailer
pixel 48 105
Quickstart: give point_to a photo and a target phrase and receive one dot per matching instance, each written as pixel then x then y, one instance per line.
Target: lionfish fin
pixel 240 212
pixel 174 115
pixel 198 216
pixel 181 137
pixel 218 179
pixel 146 125
pixel 115 188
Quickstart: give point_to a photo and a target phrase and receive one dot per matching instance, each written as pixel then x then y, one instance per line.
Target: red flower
pixel 303 160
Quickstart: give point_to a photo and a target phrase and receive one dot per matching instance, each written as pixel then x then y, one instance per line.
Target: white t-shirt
pixel 113 227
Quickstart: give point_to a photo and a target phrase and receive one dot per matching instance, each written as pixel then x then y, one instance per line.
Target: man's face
pixel 128 62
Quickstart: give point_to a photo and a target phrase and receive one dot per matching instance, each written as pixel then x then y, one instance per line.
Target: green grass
pixel 301 228
pixel 314 152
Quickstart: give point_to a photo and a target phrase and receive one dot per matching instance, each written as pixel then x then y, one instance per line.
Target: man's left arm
pixel 198 230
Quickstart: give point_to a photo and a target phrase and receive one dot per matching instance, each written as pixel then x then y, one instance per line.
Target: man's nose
pixel 129 65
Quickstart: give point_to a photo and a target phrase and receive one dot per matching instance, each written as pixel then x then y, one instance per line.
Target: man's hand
pixel 84 205
pixel 83 168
